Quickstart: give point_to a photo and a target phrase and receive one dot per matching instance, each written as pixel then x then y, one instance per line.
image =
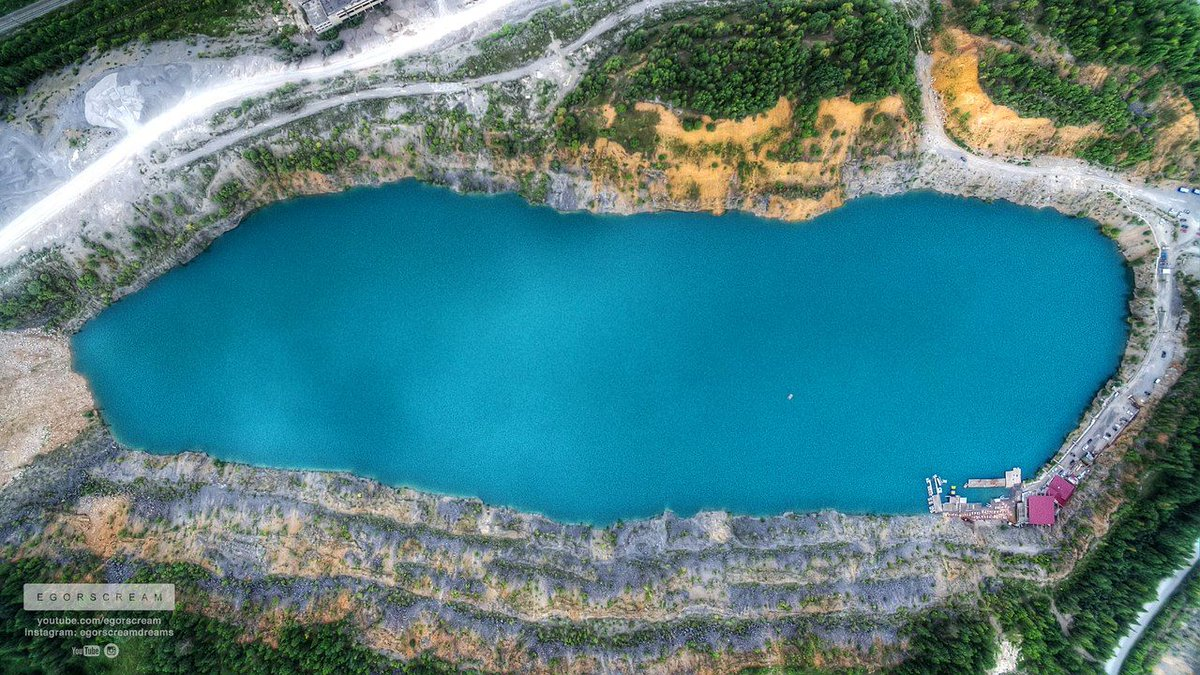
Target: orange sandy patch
pixel 101 521
pixel 981 123
pixel 741 131
pixel 726 166
pixel 609 114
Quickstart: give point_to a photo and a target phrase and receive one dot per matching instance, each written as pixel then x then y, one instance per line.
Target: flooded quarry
pixel 596 368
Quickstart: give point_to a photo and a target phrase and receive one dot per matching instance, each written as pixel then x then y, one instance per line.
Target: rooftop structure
pixel 1060 489
pixel 1041 510
pixel 325 14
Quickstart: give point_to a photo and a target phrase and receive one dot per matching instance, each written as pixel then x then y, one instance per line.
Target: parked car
pixel 1185 190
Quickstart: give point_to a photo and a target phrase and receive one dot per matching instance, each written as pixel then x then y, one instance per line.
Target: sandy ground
pixel 42 401
pixel 989 128
pixel 984 125
pixel 701 166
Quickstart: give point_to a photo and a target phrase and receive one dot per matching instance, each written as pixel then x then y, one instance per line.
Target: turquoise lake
pixel 594 368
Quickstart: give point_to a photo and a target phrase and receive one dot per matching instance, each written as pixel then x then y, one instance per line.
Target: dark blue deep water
pixel 595 368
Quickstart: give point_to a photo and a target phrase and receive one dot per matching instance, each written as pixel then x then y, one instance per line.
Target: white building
pixel 325 14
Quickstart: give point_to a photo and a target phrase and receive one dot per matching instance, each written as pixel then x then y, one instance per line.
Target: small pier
pixel 933 486
pixel 1012 479
pixel 955 505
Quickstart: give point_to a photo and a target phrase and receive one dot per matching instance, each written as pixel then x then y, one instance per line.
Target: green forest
pixel 732 63
pixel 997 19
pixel 1163 628
pixel 9 6
pixel 1035 90
pixel 948 641
pixel 67 35
pixel 1145 33
pixel 1158 36
pixel 1150 43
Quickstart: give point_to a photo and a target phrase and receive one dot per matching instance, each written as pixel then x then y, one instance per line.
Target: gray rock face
pixel 417 562
pixel 126 98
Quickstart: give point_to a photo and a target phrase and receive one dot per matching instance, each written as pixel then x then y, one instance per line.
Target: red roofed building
pixel 1061 489
pixel 1041 510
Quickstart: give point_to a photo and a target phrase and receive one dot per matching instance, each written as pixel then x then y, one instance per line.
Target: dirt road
pixel 27 230
pixel 14 20
pixel 1114 415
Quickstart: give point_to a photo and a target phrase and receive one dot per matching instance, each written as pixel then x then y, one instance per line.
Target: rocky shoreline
pixel 424 568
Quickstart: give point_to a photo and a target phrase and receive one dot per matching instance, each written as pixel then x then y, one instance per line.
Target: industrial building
pixel 325 14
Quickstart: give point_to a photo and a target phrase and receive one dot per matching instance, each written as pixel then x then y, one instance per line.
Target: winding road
pixel 1164 346
pixel 556 57
pixel 1165 590
pixel 16 236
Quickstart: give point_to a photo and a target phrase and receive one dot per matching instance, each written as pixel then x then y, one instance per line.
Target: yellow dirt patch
pixel 741 131
pixel 42 401
pixel 609 114
pixel 973 117
pixel 712 170
pixel 101 520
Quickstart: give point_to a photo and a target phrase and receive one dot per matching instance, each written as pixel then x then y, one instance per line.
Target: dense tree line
pixel 66 35
pixel 1146 33
pixel 1164 628
pixel 1154 35
pixel 731 63
pixel 1122 151
pixel 734 68
pixel 9 6
pixel 1036 90
pixel 952 641
pixel 310 154
pixel 998 18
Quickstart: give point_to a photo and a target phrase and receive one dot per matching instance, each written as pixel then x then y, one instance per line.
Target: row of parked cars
pixel 1189 190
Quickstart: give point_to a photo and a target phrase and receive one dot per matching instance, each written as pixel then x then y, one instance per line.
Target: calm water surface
pixel 596 368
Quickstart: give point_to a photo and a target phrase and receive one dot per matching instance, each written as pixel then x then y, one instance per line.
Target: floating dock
pixel 933 486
